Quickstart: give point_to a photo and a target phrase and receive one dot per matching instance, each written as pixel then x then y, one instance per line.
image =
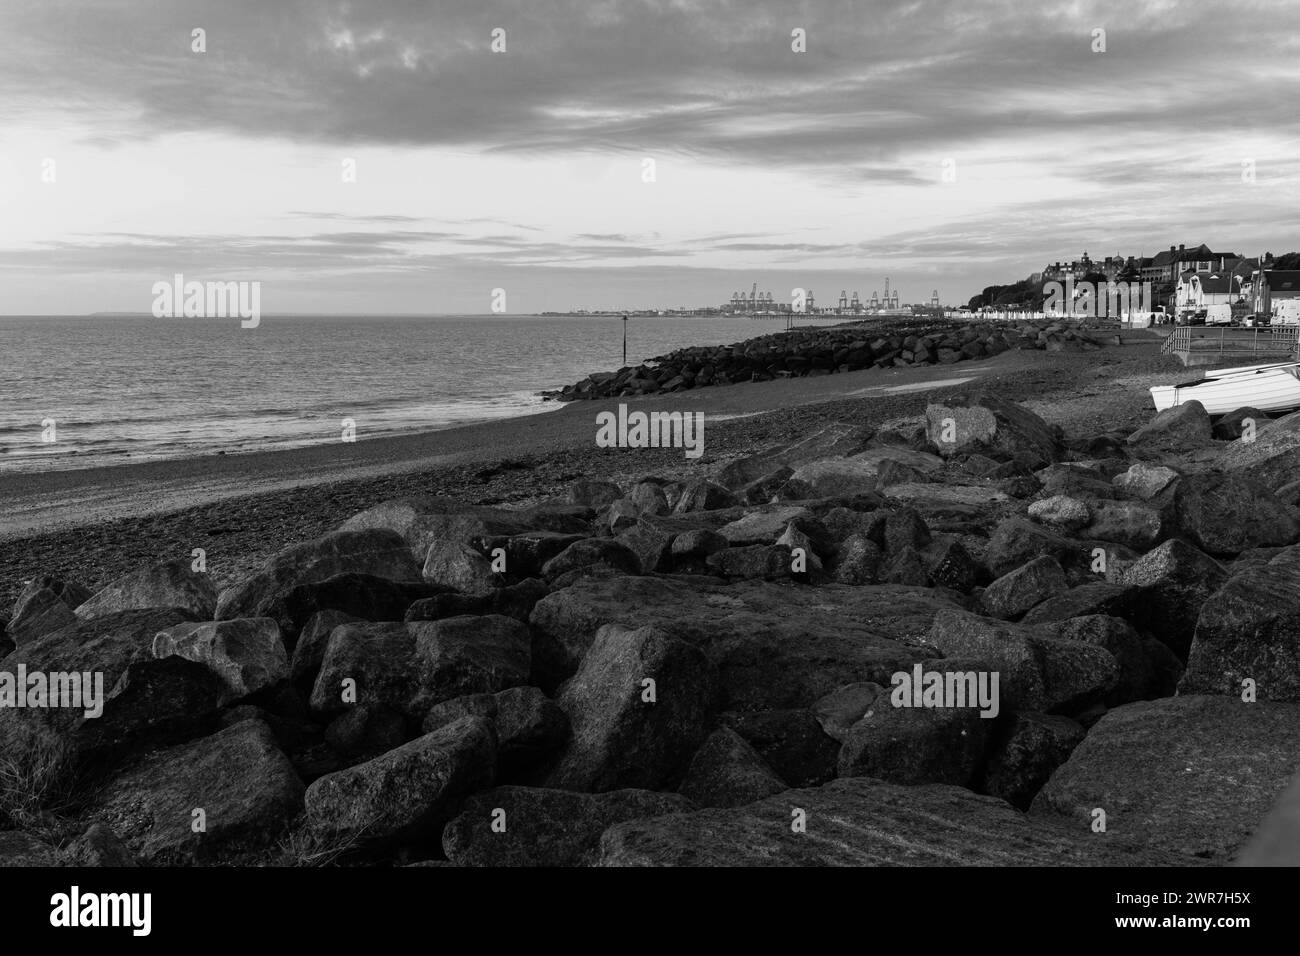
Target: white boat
pixel 1270 388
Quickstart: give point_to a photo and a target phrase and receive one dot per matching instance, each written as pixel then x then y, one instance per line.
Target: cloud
pixel 878 83
pixel 1055 146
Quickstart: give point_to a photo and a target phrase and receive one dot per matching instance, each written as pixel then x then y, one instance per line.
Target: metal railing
pixel 1178 340
pixel 1232 341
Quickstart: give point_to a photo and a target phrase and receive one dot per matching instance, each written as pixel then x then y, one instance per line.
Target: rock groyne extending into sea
pixel 848 348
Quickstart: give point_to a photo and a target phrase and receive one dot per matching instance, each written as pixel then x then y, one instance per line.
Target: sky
pixel 626 153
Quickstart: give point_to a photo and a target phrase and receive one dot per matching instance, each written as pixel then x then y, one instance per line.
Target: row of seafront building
pixel 1187 281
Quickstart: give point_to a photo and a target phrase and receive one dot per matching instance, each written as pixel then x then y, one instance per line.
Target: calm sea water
pixel 122 388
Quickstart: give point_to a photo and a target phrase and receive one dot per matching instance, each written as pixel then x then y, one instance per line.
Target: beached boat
pixel 1270 388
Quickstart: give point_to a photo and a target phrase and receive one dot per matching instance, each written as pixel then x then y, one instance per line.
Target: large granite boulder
pixel 45 604
pixel 934 497
pixel 205 801
pixel 700 494
pixel 833 477
pixel 310 648
pixel 1226 513
pixel 1191 776
pixel 762 526
pixel 1062 512
pixel 1028 750
pixel 1144 481
pixel 792 742
pixel 915 745
pixel 422 520
pixel 165 584
pixel 538 827
pixel 413 666
pixel 1147 667
pixel 1130 523
pixel 1271 457
pixel 593 553
pixel 406 793
pixel 652 545
pixel 1097 597
pixel 460 567
pixel 638 707
pixel 1173 582
pixel 1016 541
pixel 727 772
pixel 528 724
pixel 468 655
pixel 155 703
pixel 379 552
pixel 775 645
pixel 1249 629
pixel 1036 672
pixel 365 597
pixel 246 654
pixel 513 600
pixel 1238 422
pixel 861 473
pixel 835 440
pixel 861 821
pixel 1015 592
pixel 843 707
pixel 100 647
pixel 365 664
pixel 1174 430
pixel 984 423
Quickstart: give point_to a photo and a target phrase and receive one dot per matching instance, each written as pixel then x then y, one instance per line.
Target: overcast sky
pixel 524 170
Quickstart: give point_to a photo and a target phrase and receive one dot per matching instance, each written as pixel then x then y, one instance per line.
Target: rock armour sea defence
pixel 705 668
pixel 839 349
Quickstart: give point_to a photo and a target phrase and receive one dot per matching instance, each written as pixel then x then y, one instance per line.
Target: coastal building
pixel 1166 267
pixel 1196 291
pixel 1112 267
pixel 1268 287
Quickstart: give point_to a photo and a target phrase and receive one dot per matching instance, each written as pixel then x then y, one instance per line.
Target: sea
pixel 85 391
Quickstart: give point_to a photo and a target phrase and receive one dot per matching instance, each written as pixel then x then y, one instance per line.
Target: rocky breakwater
pixel 846 348
pixel 972 642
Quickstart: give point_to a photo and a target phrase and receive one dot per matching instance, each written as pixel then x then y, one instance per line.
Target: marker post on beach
pixel 625 340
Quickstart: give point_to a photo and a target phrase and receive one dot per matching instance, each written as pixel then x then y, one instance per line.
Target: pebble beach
pixel 96 523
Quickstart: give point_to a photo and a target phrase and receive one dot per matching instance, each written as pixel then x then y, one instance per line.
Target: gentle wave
pixel 132 386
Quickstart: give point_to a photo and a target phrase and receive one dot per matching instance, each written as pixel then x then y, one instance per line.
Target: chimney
pixel 1172 250
pixel 1181 247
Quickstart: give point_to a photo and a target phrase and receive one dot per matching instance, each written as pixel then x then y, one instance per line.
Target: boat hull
pixel 1269 388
